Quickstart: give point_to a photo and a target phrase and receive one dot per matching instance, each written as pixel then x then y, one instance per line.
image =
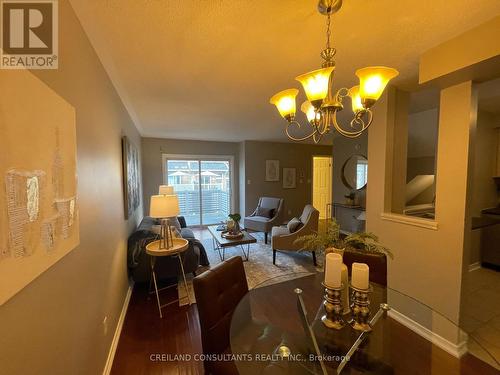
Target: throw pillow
pixel 294 225
pixel 265 212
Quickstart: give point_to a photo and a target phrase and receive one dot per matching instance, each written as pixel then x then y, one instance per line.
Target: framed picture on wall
pixel 289 178
pixel 130 177
pixel 272 170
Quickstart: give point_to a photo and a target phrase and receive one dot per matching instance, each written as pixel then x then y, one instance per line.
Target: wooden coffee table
pixel 221 243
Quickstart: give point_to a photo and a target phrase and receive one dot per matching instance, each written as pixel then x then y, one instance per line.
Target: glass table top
pixel 271 334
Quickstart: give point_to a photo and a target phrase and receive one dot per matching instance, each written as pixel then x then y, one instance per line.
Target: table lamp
pixel 163 207
pixel 166 190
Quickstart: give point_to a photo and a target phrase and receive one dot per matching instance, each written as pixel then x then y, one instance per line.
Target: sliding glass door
pixel 203 185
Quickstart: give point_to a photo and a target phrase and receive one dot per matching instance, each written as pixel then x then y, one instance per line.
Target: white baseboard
pixel 118 331
pixel 456 350
pixel 474 266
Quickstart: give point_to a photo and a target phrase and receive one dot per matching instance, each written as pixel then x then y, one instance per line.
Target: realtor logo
pixel 29 34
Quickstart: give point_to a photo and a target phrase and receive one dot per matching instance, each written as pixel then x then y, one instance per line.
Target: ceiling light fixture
pixel 322 104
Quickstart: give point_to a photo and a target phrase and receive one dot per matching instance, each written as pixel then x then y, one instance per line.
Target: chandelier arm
pixel 354 134
pixel 318 138
pixel 295 138
pixel 322 125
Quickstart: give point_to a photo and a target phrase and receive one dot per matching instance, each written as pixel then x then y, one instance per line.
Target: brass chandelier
pixel 322 104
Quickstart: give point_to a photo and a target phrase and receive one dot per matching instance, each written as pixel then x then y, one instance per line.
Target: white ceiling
pixel 205 69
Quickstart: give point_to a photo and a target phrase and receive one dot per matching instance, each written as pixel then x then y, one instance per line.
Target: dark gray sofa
pixel 166 267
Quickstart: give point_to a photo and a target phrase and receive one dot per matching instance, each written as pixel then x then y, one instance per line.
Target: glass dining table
pixel 277 329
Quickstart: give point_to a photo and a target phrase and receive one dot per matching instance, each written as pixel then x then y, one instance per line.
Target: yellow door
pixel 322 184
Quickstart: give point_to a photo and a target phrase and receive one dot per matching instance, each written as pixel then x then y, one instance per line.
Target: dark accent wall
pixel 290 155
pixel 343 149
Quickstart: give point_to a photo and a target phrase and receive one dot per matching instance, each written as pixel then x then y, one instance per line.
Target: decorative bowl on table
pixel 232 236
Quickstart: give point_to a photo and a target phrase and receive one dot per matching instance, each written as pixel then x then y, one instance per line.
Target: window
pixel 203 185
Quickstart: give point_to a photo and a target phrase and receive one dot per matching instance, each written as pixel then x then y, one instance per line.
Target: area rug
pixel 259 268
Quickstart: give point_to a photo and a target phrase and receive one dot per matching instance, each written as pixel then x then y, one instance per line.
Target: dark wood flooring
pixel 145 335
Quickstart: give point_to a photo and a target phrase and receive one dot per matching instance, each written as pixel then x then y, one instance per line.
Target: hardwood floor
pixel 147 342
pixel 145 335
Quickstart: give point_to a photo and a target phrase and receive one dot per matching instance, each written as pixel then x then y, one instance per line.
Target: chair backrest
pixel 376 262
pixel 218 291
pixel 310 216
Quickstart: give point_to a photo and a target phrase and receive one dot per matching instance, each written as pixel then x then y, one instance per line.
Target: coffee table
pixel 220 243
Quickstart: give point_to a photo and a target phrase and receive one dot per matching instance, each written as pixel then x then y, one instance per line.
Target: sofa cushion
pixel 294 225
pixel 257 219
pixel 187 233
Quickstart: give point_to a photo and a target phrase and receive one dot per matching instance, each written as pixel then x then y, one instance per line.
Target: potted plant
pixel 233 224
pixel 329 241
pixel 366 242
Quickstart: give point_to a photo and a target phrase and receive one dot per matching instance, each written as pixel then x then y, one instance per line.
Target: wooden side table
pixel 153 249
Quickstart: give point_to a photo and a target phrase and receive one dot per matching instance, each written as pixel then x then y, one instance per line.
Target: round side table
pixel 153 249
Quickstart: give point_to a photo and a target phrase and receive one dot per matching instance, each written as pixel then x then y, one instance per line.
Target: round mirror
pixel 355 172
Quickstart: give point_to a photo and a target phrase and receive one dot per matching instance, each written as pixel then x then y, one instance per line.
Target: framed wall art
pixel 289 178
pixel 272 170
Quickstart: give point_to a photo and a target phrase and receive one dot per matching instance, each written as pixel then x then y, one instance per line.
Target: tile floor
pixel 481 313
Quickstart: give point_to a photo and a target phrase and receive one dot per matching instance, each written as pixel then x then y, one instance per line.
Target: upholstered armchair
pixel 266 215
pixel 283 239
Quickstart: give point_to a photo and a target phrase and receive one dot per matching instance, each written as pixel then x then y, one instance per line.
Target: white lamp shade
pixel 166 190
pixel 163 206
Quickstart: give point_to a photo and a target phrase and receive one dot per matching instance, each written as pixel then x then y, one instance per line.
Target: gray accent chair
pixel 265 224
pixel 282 239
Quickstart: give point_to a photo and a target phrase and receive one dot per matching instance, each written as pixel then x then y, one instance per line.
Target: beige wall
pixel 54 325
pixel 450 62
pixel 290 155
pixel 153 148
pixel 428 261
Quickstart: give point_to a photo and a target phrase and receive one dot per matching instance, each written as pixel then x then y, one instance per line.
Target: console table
pixel 347 217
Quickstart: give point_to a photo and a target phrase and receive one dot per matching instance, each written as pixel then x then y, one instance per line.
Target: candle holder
pixel 360 309
pixel 333 307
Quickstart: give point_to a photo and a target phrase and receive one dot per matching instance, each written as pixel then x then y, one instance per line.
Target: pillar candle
pixel 333 270
pixel 345 288
pixel 360 275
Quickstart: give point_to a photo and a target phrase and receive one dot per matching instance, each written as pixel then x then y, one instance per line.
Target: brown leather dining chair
pixel 218 292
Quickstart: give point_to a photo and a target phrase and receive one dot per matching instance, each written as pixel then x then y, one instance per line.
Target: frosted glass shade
pixel 308 109
pixel 285 102
pixel 166 190
pixel 163 206
pixel 355 99
pixel 373 80
pixel 316 84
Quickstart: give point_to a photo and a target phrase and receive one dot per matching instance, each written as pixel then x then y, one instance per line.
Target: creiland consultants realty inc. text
pixel 255 357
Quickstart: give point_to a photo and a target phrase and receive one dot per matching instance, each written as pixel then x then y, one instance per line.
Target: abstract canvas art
pixel 130 177
pixel 38 185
